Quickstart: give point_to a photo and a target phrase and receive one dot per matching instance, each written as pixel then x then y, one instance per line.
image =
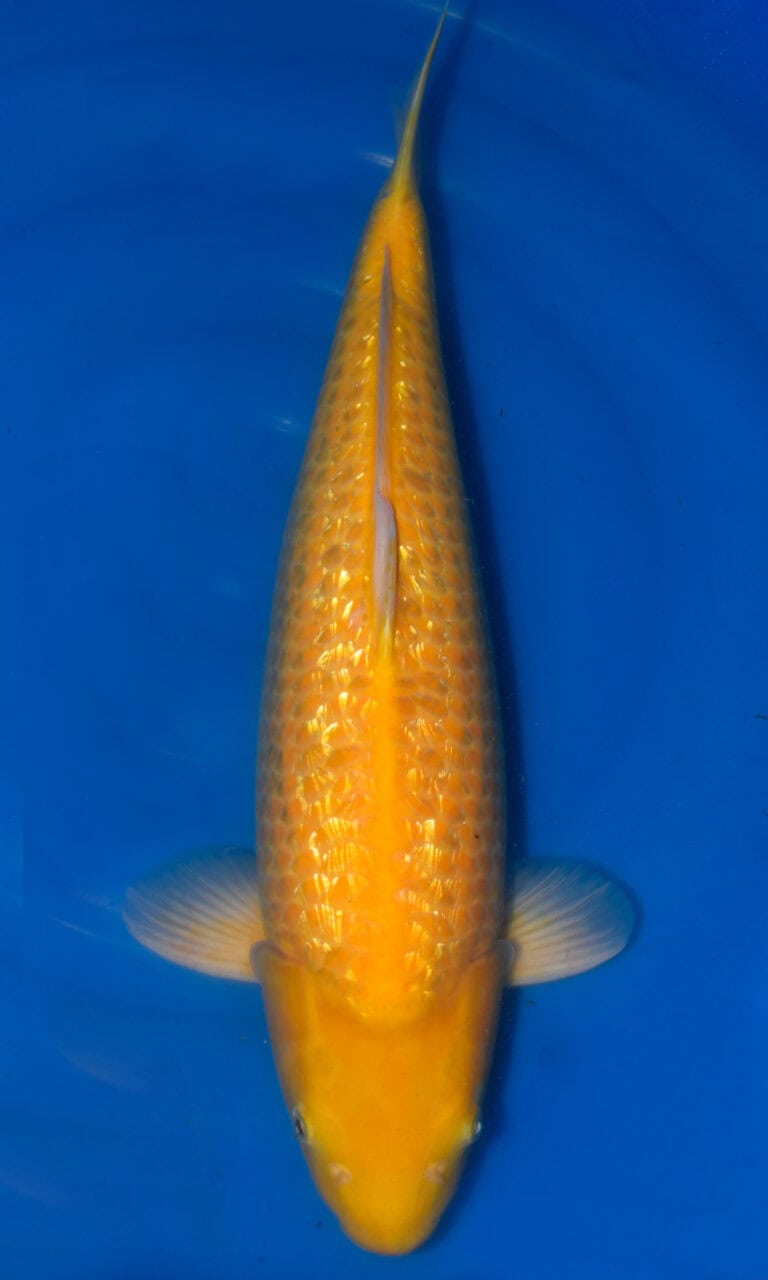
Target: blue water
pixel 183 187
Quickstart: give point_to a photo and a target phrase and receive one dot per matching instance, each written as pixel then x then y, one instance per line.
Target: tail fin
pixel 403 174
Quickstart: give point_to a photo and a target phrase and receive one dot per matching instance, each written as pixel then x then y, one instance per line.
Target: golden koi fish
pixel 376 918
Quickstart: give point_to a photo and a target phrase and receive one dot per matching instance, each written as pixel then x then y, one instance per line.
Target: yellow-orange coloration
pixel 378 774
pixel 377 924
pixel 380 820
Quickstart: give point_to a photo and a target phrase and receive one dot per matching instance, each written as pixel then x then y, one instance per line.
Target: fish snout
pixel 386 1214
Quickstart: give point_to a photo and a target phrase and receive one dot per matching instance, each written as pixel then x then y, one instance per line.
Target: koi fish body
pixel 377 921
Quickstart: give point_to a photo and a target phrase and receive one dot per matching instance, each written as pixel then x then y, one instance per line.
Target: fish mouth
pixel 387 1238
pixel 389 1216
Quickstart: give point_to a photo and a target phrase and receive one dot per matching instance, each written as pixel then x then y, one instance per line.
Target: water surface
pixel 183 190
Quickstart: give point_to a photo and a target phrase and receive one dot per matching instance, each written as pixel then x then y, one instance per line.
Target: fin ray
pixel 565 918
pixel 403 177
pixel 201 912
pixel 384 576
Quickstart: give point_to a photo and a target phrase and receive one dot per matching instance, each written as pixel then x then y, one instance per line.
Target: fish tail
pixel 403 178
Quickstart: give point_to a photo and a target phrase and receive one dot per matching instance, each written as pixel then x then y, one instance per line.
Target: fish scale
pixel 404 751
pixel 377 923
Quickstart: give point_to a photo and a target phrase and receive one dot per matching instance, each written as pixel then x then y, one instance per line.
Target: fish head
pixel 384 1108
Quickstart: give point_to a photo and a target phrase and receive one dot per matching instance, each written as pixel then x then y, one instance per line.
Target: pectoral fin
pixel 565 918
pixel 202 912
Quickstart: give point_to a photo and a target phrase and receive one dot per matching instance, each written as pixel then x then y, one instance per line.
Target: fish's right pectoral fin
pixel 201 911
pixel 564 918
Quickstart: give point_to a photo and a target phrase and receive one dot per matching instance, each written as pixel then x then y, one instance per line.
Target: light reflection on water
pixel 187 188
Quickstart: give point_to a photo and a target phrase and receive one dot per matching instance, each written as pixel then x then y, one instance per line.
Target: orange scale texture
pixel 380 821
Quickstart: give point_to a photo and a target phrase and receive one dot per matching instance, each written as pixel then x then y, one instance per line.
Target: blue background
pixel 183 186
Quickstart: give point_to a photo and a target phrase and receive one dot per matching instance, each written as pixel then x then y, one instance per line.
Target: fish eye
pixel 476 1128
pixel 299 1125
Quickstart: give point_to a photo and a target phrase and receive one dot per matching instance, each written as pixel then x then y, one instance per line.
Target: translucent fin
pixel 202 912
pixel 565 918
pixel 384 576
pixel 403 175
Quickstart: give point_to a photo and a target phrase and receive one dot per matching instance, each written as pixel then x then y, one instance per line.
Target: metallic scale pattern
pixel 380 814
pixel 376 922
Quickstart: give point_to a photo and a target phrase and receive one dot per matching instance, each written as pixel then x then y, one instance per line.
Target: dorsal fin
pixel 384 575
pixel 403 177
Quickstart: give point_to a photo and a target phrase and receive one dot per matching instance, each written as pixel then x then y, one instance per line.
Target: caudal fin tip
pixel 403 176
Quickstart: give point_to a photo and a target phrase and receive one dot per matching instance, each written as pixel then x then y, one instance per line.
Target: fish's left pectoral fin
pixel 564 918
pixel 201 911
